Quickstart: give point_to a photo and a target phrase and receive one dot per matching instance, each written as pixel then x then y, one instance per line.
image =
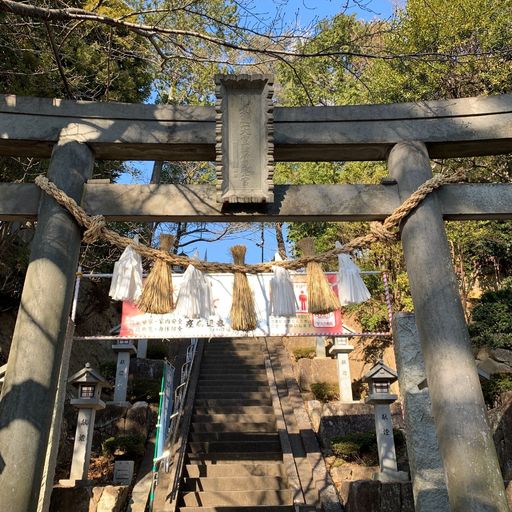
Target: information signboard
pixel 136 324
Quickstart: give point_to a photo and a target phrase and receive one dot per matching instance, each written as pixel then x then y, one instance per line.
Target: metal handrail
pixel 179 402
pixel 177 411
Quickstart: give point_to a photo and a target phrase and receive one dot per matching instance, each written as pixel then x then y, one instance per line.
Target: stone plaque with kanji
pixel 244 139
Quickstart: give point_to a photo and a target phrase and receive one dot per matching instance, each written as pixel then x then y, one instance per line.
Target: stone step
pixel 227 470
pixel 234 498
pixel 232 355
pixel 234 483
pixel 235 343
pixel 257 508
pixel 233 379
pixel 236 352
pixel 232 368
pixel 227 409
pixel 231 402
pixel 233 457
pixel 230 395
pixel 235 371
pixel 219 374
pixel 234 427
pixel 233 418
pixel 230 386
pixel 253 437
pixel 213 447
pixel 242 351
pixel 233 364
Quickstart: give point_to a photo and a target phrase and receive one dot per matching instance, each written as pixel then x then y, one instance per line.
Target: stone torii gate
pixel 74 134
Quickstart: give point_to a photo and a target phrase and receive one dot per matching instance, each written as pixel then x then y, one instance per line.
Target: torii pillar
pixel 473 474
pixel 29 390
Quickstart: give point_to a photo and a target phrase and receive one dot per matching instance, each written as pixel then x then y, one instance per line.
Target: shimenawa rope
pixel 387 231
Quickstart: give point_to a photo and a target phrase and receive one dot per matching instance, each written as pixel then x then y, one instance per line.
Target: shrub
pixel 495 386
pixel 145 390
pixel 130 446
pixel 491 323
pixel 361 447
pixel 304 353
pixel 108 369
pixel 157 350
pixel 325 391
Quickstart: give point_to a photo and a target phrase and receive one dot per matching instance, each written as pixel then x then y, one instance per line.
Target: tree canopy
pixel 169 50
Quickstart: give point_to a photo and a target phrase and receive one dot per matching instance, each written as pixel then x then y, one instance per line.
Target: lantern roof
pixel 381 372
pixel 87 375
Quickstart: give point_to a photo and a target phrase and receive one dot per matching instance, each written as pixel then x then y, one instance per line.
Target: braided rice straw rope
pixel 386 231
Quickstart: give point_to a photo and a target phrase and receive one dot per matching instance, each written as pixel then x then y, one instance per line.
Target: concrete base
pixel 70 482
pixel 392 476
pixel 119 404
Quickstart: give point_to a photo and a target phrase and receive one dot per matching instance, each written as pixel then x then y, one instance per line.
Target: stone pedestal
pixel 427 472
pixel 385 441
pixel 83 441
pixel 341 349
pixel 320 346
pixel 142 349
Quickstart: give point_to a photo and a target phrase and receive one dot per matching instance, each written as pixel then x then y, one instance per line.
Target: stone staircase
pixel 234 457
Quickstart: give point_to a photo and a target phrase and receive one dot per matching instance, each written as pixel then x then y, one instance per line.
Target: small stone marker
pixel 123 471
pixel 124 349
pixel 341 349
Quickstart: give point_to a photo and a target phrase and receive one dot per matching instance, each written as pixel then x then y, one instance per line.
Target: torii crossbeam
pixel 406 135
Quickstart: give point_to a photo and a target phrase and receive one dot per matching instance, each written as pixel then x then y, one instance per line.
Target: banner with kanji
pixel 136 324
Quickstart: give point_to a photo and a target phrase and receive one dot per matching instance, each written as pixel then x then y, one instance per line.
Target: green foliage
pixel 325 391
pixel 472 43
pixel 361 447
pixel 356 446
pixel 493 388
pixel 304 353
pixel 108 370
pixel 146 390
pixel 156 350
pixel 128 446
pixel 472 35
pixel 491 323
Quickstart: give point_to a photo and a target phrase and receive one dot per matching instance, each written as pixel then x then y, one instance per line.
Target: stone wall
pixel 109 498
pixel 334 419
pixel 500 419
pixel 374 496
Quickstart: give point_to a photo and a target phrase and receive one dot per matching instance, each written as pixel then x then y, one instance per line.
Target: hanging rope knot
pixel 95 229
pixel 382 233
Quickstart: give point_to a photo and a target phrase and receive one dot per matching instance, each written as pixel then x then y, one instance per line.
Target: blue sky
pixel 303 13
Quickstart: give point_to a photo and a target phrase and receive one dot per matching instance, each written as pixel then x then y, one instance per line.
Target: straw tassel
pixel 243 312
pixel 321 297
pixel 156 296
pixel 283 301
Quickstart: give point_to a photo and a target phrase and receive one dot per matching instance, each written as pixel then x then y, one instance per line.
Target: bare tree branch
pixel 58 62
pixel 268 48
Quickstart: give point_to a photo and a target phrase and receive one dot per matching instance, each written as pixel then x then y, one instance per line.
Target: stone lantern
pixel 379 379
pixel 89 383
